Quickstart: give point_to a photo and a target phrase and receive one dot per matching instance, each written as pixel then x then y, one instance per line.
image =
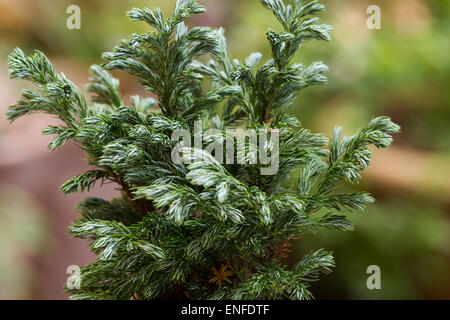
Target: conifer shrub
pixel 199 228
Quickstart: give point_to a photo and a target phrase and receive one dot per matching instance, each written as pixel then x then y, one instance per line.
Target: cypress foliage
pixel 200 229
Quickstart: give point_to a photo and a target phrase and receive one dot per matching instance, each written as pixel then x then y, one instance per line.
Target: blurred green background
pixel 401 70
